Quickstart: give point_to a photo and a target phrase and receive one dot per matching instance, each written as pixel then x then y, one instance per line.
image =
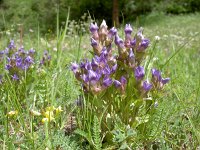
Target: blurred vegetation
pixel 43 13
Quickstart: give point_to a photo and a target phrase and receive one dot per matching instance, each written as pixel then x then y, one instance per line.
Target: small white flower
pixel 157 38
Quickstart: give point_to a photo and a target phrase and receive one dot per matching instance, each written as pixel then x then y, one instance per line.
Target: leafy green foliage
pixel 60 141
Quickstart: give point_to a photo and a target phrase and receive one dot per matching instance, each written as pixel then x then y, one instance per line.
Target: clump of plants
pixel 119 89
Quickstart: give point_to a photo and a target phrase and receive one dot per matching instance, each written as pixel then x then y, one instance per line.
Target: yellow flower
pixel 12 113
pixel 50 108
pixel 59 109
pixel 44 120
pixel 49 115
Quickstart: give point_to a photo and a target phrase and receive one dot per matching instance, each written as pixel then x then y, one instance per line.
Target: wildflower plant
pixel 116 84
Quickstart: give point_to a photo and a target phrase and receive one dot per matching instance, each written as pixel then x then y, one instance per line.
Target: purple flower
pixel 93 27
pixel 164 81
pixel 123 80
pixel 146 86
pixel 94 63
pixel 107 81
pixel 114 68
pixel 21 50
pixel 112 32
pixel 133 43
pixel 19 62
pixel 131 56
pixel 88 65
pixel 92 75
pixel 156 75
pixel 93 42
pixel 143 45
pixel 106 70
pixel 118 41
pixel 74 67
pixel 117 83
pixel 128 29
pixel 31 51
pixel 29 60
pixel 8 67
pixel 11 45
pixel 139 73
pixel 15 77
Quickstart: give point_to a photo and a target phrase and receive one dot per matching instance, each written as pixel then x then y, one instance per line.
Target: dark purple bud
pixel 133 43
pixel 128 29
pixel 143 45
pixel 131 54
pixel 94 63
pixel 156 75
pixel 29 60
pixel 104 52
pixel 74 67
pixel 18 62
pixel 1 52
pixel 84 78
pixel 107 81
pixel 93 27
pixel 123 80
pixel 92 75
pixel 82 65
pixel 31 51
pixel 106 70
pixel 114 68
pixel 117 83
pixel 139 73
pixel 93 42
pixel 11 45
pixel 8 67
pixel 21 50
pixel 88 65
pixel 112 32
pixel 15 77
pixel 118 41
pixel 146 86
pixel 164 81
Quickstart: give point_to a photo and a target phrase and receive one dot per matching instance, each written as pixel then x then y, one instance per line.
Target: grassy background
pixel 174 125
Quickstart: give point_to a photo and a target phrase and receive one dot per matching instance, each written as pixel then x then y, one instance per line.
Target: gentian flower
pixel 146 86
pixel 74 67
pixel 107 81
pixel 15 77
pixel 117 83
pixel 93 27
pixel 118 41
pixel 143 45
pixel 157 79
pixel 164 81
pixel 11 45
pixel 112 32
pixel 139 73
pixel 128 29
pixel 156 75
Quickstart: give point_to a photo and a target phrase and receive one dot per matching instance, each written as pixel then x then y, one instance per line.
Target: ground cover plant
pixel 44 106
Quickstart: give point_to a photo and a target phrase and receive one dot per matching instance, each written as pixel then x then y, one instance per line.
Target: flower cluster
pixel 96 75
pixel 18 60
pixel 106 68
pixel 45 59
